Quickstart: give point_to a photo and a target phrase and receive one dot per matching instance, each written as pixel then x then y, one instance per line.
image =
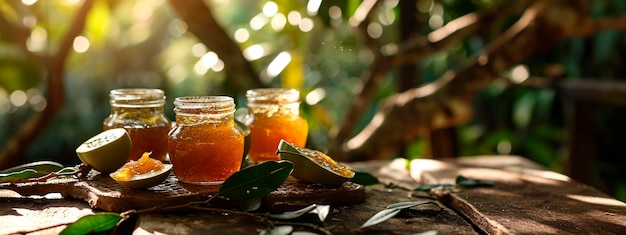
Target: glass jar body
pixel 205 146
pixel 140 112
pixel 274 115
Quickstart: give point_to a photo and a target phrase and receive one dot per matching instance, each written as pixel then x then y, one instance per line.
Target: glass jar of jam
pixel 205 145
pixel 274 114
pixel 140 112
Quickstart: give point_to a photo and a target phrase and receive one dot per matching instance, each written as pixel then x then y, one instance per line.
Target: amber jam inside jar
pixel 274 114
pixel 205 145
pixel 140 112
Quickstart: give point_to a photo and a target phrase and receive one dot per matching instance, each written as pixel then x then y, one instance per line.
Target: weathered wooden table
pixel 525 199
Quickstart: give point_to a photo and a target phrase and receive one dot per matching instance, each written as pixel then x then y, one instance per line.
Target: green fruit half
pixel 107 151
pixel 146 180
pixel 313 166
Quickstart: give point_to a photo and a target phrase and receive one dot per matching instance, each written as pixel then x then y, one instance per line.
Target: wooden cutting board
pixel 102 192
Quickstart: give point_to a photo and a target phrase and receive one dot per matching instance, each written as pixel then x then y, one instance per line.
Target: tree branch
pixel 590 26
pixel 202 23
pixel 36 124
pixel 445 102
pixel 17 35
pixel 413 50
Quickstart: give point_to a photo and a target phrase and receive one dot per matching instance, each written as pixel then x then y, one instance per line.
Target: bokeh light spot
pixel 270 9
pixel 313 6
pixel 254 52
pixel 278 22
pixel 294 18
pixel 29 2
pixel 37 40
pixel 18 98
pixel 198 49
pixel 306 25
pixel 81 44
pixel 315 96
pixel 374 30
pixel 335 12
pixel 257 22
pixel 241 35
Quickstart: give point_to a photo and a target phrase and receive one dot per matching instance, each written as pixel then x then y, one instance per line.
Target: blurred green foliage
pixel 142 43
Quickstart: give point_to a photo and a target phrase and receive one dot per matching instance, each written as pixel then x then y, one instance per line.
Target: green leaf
pixel 252 204
pixel 16 176
pixel 381 216
pixel 391 211
pixel 42 168
pixel 278 230
pixel 320 210
pixel 67 171
pixel 364 178
pixel 256 181
pixel 406 205
pixel 469 183
pixel 93 224
pixel 293 214
pixel 429 232
pixel 428 187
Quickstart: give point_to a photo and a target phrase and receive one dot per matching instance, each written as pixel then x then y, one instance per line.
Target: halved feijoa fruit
pixel 143 173
pixel 107 151
pixel 313 166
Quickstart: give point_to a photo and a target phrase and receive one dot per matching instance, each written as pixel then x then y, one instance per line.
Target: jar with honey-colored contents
pixel 140 112
pixel 205 145
pixel 274 114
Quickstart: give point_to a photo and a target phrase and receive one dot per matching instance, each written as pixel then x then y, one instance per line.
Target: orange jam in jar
pixel 274 114
pixel 140 112
pixel 205 145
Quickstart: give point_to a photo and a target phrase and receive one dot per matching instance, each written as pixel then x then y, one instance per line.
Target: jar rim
pixel 137 97
pixel 277 94
pixel 204 104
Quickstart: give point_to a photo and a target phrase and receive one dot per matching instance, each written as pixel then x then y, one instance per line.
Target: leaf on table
pixel 428 187
pixel 322 211
pixel 42 168
pixel 67 171
pixel 391 211
pixel 278 230
pixel 293 214
pixel 17 176
pixel 406 205
pixel 381 216
pixel 252 204
pixel 364 178
pixel 429 232
pixel 303 233
pixel 96 223
pixel 469 183
pixel 256 181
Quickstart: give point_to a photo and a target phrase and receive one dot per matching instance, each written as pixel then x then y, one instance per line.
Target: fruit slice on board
pixel 143 173
pixel 313 166
pixel 107 151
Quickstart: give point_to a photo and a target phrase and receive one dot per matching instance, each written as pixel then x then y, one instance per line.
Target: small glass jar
pixel 205 145
pixel 274 114
pixel 140 112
